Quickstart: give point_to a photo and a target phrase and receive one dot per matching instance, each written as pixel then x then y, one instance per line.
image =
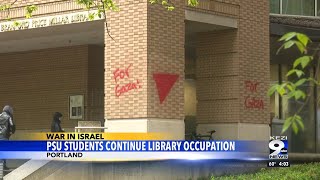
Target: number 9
pixel 272 146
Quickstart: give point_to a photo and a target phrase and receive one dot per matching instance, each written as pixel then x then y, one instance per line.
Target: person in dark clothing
pixel 7 126
pixel 55 125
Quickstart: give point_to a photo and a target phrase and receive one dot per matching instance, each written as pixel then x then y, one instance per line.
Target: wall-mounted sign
pixel 76 110
pixel 48 21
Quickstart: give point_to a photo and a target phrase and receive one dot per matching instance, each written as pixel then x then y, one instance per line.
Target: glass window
pixel 298 7
pixel 275 6
pixel 284 100
pixel 318 8
pixel 303 142
pixel 274 99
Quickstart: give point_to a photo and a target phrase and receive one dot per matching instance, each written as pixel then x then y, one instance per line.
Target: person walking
pixel 56 122
pixel 7 128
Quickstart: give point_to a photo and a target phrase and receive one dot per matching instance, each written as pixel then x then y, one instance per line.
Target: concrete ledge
pixel 89 124
pixel 25 170
pixel 50 168
pixel 156 170
pixel 174 127
pixel 304 157
pixel 211 19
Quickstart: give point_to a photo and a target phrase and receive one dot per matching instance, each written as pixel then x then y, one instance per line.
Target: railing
pixel 281 7
pixel 76 129
pixel 217 7
pixel 4 170
pixel 69 5
pixel 43 8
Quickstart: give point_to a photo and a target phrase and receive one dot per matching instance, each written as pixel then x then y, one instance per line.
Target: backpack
pixel 4 124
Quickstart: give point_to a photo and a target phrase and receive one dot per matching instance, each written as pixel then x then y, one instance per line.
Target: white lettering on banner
pixel 47 21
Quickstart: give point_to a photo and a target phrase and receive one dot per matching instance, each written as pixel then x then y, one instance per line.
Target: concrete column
pixel 148 45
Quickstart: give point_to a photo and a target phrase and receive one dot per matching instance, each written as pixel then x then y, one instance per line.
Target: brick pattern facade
pixel 38 83
pixel 217 7
pixel 218 77
pixel 166 38
pixel 229 58
pixel 254 57
pixel 129 30
pixel 150 39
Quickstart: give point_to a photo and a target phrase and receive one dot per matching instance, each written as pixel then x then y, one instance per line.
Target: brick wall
pixel 229 58
pixel 166 34
pixel 237 2
pixel 254 57
pixel 129 47
pixel 150 39
pixel 38 83
pixel 217 77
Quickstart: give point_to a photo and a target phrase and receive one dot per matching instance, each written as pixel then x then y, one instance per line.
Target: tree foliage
pixel 293 89
pixel 101 5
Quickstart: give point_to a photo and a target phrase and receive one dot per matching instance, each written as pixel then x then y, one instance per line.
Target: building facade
pixel 152 70
pixel 303 17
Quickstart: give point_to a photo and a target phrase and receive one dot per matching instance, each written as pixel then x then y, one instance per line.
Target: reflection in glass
pixel 275 6
pixel 318 8
pixel 274 99
pixel 284 100
pixel 304 142
pixel 298 7
pixel 74 111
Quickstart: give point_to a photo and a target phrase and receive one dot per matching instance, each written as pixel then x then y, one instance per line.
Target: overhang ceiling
pixel 51 37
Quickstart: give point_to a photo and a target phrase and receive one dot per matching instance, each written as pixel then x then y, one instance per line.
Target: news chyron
pixel 278 156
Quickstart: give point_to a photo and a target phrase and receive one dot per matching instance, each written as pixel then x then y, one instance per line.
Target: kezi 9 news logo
pixel 278 146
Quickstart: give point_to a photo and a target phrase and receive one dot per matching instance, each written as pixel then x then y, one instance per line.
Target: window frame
pixel 315 14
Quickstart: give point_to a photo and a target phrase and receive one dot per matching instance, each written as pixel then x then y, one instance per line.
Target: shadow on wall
pixel 190 124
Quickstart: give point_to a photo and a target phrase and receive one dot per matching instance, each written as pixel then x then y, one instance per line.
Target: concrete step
pixel 15 163
pixel 25 170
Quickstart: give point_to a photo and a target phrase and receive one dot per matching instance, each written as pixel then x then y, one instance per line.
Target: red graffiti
pixel 164 84
pixel 119 90
pixel 254 103
pixel 252 86
pixel 121 73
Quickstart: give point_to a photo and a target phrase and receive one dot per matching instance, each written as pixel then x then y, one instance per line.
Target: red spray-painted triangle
pixel 164 84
